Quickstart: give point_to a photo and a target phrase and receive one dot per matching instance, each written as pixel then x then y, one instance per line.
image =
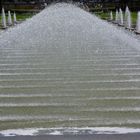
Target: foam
pixel 68 131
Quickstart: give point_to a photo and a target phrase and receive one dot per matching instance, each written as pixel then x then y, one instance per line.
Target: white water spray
pixel 117 16
pixel 15 18
pixel 9 18
pixel 3 18
pixel 138 23
pixel 125 16
pixel 111 16
pixel 120 17
pixel 127 19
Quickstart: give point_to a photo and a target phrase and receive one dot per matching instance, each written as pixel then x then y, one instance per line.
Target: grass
pixel 106 15
pixel 24 16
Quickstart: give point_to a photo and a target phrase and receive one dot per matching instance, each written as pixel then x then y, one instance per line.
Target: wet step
pixel 70 84
pixel 67 119
pixel 78 102
pixel 62 62
pixel 89 95
pixel 36 90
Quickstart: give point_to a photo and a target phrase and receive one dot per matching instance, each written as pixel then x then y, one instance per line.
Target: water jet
pixel 111 17
pixel 9 19
pixel 117 17
pixel 128 20
pixel 4 26
pixel 15 18
pixel 121 22
pixel 137 31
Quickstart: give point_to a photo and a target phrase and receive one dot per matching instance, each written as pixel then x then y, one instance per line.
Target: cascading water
pixel 3 18
pixel 9 18
pixel 67 70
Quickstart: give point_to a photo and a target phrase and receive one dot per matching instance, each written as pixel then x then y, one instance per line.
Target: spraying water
pixel 15 18
pixel 126 16
pixel 120 17
pixel 111 16
pixel 3 19
pixel 117 17
pixel 138 23
pixel 128 20
pixel 65 68
pixel 9 18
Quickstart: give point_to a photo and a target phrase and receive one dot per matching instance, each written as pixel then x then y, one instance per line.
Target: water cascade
pixel 121 17
pixel 9 18
pixel 66 68
pixel 3 19
pixel 138 24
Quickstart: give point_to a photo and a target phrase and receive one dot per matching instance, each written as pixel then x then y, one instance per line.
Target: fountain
pixel 126 16
pixel 120 17
pixel 3 19
pixel 66 68
pixel 9 19
pixel 128 20
pixel 111 16
pixel 15 18
pixel 138 24
pixel 117 17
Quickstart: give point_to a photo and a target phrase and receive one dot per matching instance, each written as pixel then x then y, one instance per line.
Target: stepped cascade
pixel 66 68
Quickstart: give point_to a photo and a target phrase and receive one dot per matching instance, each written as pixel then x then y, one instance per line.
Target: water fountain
pixel 15 18
pixel 3 19
pixel 121 23
pixel 128 20
pixel 117 17
pixel 66 68
pixel 138 24
pixel 111 16
pixel 9 19
pixel 126 15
